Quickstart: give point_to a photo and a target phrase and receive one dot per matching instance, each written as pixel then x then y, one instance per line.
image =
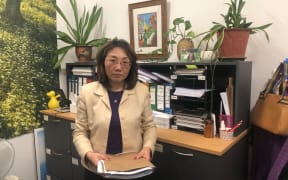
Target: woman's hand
pixel 144 153
pixel 94 157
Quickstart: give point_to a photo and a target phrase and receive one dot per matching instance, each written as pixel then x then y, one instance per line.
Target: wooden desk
pixel 215 146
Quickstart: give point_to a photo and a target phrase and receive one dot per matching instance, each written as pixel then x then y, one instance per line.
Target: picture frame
pixel 148 26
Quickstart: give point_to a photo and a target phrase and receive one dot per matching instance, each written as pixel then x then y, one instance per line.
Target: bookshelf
pixel 177 161
pixel 237 70
pixel 78 74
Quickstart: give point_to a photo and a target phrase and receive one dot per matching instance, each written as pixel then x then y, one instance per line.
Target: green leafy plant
pixel 181 29
pixel 78 35
pixel 233 19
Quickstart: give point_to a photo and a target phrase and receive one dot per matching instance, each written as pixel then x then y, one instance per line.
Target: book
pixel 165 78
pixel 124 166
pixel 225 102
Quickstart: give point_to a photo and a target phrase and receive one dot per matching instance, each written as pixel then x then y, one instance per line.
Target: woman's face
pixel 117 66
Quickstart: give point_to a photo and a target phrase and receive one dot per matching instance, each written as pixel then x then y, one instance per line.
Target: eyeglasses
pixel 124 63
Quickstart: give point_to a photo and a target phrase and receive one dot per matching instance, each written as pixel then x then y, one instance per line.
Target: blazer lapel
pixel 126 94
pixel 101 92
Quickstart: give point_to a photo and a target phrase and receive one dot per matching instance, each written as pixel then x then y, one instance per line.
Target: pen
pixel 236 126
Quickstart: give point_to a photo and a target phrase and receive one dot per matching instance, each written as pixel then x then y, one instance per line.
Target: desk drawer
pixel 77 169
pixel 59 165
pixel 58 135
pixel 192 164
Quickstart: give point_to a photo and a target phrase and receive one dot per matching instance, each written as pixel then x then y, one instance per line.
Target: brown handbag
pixel 271 110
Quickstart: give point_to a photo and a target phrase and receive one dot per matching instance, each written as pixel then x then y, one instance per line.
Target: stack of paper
pixel 190 120
pixel 124 166
pixel 82 71
pixel 162 120
pixel 184 71
pixel 181 91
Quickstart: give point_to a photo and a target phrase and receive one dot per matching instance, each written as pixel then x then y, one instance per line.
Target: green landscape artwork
pixel 27 44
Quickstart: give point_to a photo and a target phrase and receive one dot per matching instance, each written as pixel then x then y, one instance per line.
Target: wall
pixel 24 165
pixel 265 56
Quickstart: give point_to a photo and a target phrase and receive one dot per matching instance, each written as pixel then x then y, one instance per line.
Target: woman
pixel 114 113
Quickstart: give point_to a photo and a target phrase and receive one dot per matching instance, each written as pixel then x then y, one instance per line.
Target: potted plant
pixel 236 25
pixel 181 31
pixel 78 33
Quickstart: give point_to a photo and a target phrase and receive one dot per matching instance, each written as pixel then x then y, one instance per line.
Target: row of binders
pixel 80 76
pixel 160 87
pixel 75 83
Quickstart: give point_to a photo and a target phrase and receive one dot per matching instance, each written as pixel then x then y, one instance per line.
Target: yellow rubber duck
pixel 53 102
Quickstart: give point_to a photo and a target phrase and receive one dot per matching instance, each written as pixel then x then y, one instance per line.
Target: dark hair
pixel 131 79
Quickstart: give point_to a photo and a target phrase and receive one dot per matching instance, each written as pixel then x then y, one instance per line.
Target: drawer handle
pixel 57 154
pixel 183 154
pixel 56 120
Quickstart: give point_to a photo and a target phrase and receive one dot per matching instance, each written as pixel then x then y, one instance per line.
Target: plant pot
pixel 184 44
pixel 234 43
pixel 83 53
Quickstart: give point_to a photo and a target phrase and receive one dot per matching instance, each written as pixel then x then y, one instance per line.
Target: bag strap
pixel 270 82
pixel 284 85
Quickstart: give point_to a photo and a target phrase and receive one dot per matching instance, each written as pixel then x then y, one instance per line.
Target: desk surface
pixel 215 146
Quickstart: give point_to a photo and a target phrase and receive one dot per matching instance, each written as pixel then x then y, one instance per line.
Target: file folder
pixel 160 97
pixel 124 166
pixel 167 98
pixel 153 95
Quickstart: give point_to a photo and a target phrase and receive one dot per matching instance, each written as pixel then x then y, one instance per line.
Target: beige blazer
pixel 94 115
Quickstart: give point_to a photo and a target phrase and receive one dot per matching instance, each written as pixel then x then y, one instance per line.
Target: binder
pixel 160 97
pixel 167 98
pixel 165 78
pixel 124 166
pixel 148 74
pixel 153 95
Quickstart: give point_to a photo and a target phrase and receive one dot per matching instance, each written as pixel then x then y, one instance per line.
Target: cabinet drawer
pixel 59 165
pixel 78 171
pixel 192 164
pixel 58 135
pixel 162 161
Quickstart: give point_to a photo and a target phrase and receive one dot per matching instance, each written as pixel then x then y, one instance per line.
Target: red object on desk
pixel 236 126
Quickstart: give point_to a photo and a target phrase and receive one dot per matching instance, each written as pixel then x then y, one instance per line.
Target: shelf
pixel 240 71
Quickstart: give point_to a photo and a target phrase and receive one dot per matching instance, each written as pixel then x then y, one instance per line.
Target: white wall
pixel 265 56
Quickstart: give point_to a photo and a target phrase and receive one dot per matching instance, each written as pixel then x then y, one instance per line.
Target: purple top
pixel 114 144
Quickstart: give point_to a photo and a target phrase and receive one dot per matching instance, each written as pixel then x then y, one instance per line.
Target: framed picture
pixel 148 25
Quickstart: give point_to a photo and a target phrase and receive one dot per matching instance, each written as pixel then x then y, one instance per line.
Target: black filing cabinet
pixel 62 160
pixel 183 164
